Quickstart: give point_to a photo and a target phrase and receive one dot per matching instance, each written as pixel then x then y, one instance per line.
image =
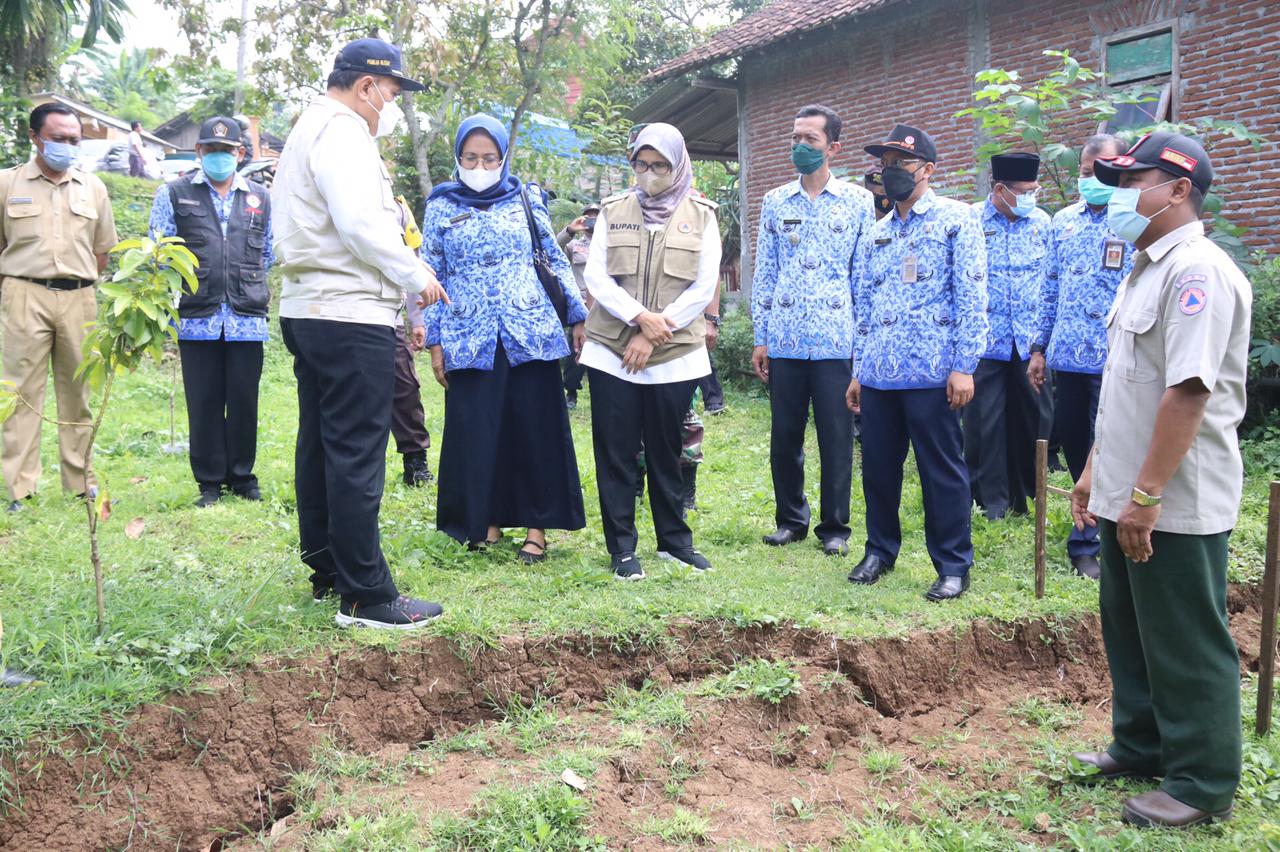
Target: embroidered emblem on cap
pixel 1179 159
pixel 1190 278
pixel 1122 161
pixel 1192 301
pixel 219 130
pixel 909 140
pixel 1142 139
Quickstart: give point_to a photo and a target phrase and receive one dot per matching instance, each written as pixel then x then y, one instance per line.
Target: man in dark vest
pixel 226 221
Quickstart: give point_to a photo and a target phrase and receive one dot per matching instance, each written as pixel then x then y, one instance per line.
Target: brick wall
pixel 914 63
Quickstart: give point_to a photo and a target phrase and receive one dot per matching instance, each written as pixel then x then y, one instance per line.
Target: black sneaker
pixel 208 497
pixel 416 471
pixel 403 613
pixel 687 556
pixel 249 492
pixel 571 400
pixel 320 594
pixel 627 567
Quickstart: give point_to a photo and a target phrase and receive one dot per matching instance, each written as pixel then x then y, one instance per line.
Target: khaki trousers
pixel 38 324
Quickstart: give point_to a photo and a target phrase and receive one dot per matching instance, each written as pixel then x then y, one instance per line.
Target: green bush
pixel 1264 350
pixel 131 202
pixel 733 352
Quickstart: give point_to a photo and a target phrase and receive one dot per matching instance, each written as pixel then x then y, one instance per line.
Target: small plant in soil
pixel 631 738
pixel 680 768
pixel 650 706
pixel 1046 715
pixel 769 681
pixel 683 826
pixel 532 727
pixel 585 760
pixel 881 763
pixel 828 681
pixel 475 740
pixel 543 817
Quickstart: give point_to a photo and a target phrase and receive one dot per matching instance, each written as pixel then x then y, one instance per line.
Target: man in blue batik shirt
pixel 226 222
pixel 1001 427
pixel 921 322
pixel 811 231
pixel 1088 262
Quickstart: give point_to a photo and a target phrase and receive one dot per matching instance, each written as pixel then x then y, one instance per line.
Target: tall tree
pixel 32 33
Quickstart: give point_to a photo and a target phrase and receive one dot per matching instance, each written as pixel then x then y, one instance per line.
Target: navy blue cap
pixel 375 56
pixel 220 130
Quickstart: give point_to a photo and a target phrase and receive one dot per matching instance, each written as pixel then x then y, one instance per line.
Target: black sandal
pixel 532 558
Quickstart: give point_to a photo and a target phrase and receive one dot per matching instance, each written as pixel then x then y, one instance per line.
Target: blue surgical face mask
pixel 1094 191
pixel 1023 204
pixel 60 156
pixel 1122 212
pixel 218 165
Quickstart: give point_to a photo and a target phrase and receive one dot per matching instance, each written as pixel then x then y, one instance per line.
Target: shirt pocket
pixel 623 253
pixel 680 259
pixel 1132 363
pixel 85 217
pixel 189 222
pixel 25 223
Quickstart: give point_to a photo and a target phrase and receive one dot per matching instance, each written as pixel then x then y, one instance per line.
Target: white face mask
pixel 653 184
pixel 479 179
pixel 388 116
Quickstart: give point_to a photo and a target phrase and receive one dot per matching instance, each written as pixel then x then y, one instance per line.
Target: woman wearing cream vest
pixel 652 269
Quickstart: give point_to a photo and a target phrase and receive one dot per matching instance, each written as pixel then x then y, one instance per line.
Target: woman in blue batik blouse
pixel 507 458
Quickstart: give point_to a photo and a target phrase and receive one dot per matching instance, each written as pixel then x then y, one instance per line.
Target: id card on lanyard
pixel 909 264
pixel 1113 254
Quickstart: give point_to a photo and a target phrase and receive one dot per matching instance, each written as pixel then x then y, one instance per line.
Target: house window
pixel 1143 66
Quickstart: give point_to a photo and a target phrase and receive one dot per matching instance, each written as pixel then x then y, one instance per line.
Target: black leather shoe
pixel 947 588
pixel 416 471
pixel 869 570
pixel 835 547
pixel 13 677
pixel 1087 566
pixel 1109 768
pixel 1158 809
pixel 783 536
pixel 249 492
pixel 207 498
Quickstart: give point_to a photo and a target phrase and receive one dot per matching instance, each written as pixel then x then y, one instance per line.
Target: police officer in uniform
pixel 226 222
pixel 811 231
pixel 1164 479
pixel 55 231
pixel 1001 426
pixel 921 326
pixel 1087 263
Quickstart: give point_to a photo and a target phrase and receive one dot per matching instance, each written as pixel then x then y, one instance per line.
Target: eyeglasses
pixel 470 161
pixel 903 163
pixel 659 169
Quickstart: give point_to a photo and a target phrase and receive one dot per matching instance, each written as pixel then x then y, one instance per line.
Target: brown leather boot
pixel 1158 808
pixel 1109 768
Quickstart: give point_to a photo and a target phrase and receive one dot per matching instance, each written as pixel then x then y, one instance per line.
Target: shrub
pixel 1264 350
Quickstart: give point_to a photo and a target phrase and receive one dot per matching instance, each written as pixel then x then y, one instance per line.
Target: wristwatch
pixel 714 319
pixel 1037 348
pixel 1142 498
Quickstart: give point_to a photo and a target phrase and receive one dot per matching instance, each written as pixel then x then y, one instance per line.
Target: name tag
pixel 460 218
pixel 190 202
pixel 884 241
pixel 20 201
pixel 991 233
pixel 909 263
pixel 1113 254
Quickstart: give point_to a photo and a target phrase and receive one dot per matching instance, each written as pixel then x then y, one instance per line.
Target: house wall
pixel 914 62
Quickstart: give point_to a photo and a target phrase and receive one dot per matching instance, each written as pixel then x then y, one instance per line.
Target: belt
pixel 58 283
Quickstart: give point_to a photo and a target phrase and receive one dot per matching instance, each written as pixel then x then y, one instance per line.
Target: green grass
pixel 546 817
pixel 771 681
pixel 683 826
pixel 650 706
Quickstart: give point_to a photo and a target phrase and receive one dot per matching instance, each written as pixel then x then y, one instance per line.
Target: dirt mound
pixel 212 763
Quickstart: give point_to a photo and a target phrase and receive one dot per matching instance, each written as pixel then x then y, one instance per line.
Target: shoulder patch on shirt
pixel 1192 301
pixel 253 201
pixel 1190 278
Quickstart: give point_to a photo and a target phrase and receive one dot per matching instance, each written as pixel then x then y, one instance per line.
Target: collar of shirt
pixel 335 105
pixel 796 187
pixel 923 205
pixel 1081 208
pixel 1157 250
pixel 238 183
pixel 32 171
pixel 991 211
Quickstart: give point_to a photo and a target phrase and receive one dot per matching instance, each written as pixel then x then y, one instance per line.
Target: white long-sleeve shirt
pixel 686 308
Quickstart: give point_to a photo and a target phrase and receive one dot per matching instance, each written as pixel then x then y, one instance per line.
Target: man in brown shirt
pixel 56 227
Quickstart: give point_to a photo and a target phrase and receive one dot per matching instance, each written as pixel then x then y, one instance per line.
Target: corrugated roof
pixel 775 22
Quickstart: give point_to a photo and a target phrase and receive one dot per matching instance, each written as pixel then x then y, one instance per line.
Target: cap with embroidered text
pixel 375 56
pixel 908 140
pixel 1172 153
pixel 220 130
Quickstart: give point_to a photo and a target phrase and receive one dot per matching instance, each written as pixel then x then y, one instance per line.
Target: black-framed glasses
pixel 659 169
pixel 470 161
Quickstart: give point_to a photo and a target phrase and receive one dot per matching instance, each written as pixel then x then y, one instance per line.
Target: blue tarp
pixel 548 135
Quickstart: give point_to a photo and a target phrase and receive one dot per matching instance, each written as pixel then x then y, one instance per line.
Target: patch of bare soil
pixel 213 764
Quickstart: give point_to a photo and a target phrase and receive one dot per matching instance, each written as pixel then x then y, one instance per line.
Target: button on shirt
pixel 1078 290
pixel 802 292
pixel 913 334
pixel 223 321
pixel 1182 314
pixel 54 229
pixel 1017 263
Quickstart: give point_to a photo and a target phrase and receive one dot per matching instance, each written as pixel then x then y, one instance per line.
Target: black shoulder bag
pixel 542 265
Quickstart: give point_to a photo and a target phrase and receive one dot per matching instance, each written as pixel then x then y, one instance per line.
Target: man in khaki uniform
pixel 1165 477
pixel 55 231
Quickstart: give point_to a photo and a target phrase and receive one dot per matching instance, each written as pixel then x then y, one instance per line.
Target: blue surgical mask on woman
pixel 1122 211
pixel 60 156
pixel 218 165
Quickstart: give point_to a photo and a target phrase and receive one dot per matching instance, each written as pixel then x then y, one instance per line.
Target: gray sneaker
pixel 403 613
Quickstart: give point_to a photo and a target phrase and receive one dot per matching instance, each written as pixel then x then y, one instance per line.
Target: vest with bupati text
pixel 230 267
pixel 654 268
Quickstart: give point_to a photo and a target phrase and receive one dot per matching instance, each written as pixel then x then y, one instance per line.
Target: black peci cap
pixel 1172 153
pixel 220 130
pixel 375 56
pixel 907 140
pixel 1015 167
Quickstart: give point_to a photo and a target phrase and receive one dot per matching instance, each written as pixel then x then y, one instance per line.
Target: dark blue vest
pixel 230 267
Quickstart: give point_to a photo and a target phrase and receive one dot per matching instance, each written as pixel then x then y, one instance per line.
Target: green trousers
pixel 1175 671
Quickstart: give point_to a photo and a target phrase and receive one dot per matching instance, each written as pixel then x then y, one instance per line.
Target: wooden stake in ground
pixel 1042 509
pixel 1270 592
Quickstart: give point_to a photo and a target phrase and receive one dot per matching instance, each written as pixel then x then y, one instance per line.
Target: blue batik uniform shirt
pixel 806 257
pixel 913 335
pixel 223 321
pixel 1017 262
pixel 1078 291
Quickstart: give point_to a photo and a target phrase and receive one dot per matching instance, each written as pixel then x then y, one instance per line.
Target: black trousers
pixel 408 420
pixel 793 385
pixel 712 392
pixel 220 379
pixel 624 417
pixel 507 457
pixel 923 417
pixel 345 375
pixel 1076 409
pixel 1000 429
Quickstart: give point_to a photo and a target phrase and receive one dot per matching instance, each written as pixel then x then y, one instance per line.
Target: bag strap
pixel 535 238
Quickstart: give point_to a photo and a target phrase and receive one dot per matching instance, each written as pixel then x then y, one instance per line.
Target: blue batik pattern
pixel 1017 263
pixel 484 259
pixel 915 335
pixel 1078 291
pixel 806 256
pixel 224 321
